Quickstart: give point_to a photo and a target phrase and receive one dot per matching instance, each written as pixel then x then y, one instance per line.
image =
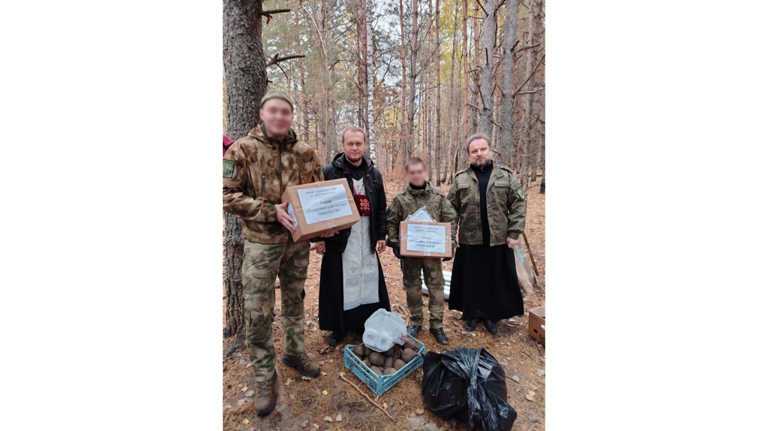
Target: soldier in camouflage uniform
pixel 257 170
pixel 419 193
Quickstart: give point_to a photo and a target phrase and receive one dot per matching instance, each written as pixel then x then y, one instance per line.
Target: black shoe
pixel 414 330
pixel 334 338
pixel 439 335
pixel 491 326
pixel 470 324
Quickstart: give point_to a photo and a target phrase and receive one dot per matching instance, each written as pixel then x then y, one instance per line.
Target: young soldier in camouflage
pixel 419 193
pixel 257 169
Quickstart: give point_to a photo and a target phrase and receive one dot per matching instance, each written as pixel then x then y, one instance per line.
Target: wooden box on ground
pixel 425 239
pixel 536 324
pixel 317 207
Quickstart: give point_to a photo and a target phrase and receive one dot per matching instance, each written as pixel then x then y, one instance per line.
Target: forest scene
pixel 419 77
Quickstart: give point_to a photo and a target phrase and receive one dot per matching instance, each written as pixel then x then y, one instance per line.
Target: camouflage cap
pixel 276 94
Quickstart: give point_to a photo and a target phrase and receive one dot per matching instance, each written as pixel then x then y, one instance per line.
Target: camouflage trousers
pixel 433 278
pixel 261 264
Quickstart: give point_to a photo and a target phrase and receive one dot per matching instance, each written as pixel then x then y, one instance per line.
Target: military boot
pixel 414 330
pixel 266 398
pixel 303 364
pixel 439 335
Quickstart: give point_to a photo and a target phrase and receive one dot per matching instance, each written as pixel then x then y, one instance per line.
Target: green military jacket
pixel 257 170
pixel 407 201
pixel 505 203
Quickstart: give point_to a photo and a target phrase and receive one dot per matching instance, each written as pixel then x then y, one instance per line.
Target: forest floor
pixel 308 404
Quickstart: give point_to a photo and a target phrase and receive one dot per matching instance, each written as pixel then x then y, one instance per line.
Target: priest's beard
pixel 481 165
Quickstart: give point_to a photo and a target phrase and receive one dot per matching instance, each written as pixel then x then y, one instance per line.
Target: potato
pixel 367 350
pixel 359 351
pixel 398 351
pixel 367 363
pixel 390 371
pixel 410 344
pixel 376 370
pixel 388 363
pixel 389 352
pixel 408 355
pixel 399 363
pixel 376 358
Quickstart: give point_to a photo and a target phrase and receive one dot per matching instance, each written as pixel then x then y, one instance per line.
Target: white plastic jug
pixel 383 329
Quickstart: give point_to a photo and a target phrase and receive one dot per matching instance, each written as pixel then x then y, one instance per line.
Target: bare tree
pixel 486 61
pixel 369 72
pixel 245 72
pixel 439 144
pixel 525 159
pixel 506 85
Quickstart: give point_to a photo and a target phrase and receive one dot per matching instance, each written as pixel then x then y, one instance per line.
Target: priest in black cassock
pixel 490 204
pixel 352 284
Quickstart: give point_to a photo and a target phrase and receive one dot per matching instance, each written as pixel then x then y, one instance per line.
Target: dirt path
pixel 309 402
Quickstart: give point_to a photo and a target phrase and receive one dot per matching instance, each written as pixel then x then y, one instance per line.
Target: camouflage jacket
pixel 408 200
pixel 257 170
pixel 505 203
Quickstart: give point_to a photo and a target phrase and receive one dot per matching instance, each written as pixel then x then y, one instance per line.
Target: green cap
pixel 276 94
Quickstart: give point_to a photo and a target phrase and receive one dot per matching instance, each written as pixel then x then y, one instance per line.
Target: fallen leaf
pixel 528 397
pixel 516 379
pixel 419 411
pixel 288 382
pixel 245 388
pixel 246 421
pixel 325 392
pixel 324 373
pixel 316 426
pixel 385 406
pixel 328 419
pixel 306 378
pixel 338 418
pixel 531 393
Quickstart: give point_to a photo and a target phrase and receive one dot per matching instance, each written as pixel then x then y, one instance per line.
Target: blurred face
pixel 416 174
pixel 479 153
pixel 277 116
pixel 353 145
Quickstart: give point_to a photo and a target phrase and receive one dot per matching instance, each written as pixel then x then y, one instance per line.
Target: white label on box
pixel 426 238
pixel 324 203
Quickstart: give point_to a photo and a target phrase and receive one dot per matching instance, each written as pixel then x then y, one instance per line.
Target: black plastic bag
pixel 469 385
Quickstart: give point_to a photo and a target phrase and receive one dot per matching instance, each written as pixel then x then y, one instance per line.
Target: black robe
pixel 484 282
pixel 332 316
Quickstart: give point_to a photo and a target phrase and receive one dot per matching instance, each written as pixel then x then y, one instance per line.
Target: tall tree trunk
pixel 403 141
pixel 465 85
pixel 439 144
pixel 486 61
pixel 245 71
pixel 543 132
pixel 414 68
pixel 363 67
pixel 452 140
pixel 507 106
pixel 428 96
pixel 369 73
pixel 533 19
pixel 475 87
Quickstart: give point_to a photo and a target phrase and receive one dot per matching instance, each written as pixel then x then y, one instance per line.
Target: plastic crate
pixel 380 384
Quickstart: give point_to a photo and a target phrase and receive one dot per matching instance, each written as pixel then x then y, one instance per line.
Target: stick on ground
pixel 367 397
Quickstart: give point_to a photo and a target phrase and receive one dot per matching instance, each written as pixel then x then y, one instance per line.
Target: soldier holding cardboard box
pixel 416 194
pixel 257 170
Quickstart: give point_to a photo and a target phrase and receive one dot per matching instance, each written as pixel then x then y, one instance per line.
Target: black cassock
pixel 332 314
pixel 484 281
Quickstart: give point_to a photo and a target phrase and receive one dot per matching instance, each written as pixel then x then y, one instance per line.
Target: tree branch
pixel 277 59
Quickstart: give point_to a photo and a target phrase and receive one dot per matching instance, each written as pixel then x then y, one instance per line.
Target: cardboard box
pixel 425 239
pixel 536 324
pixel 320 206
